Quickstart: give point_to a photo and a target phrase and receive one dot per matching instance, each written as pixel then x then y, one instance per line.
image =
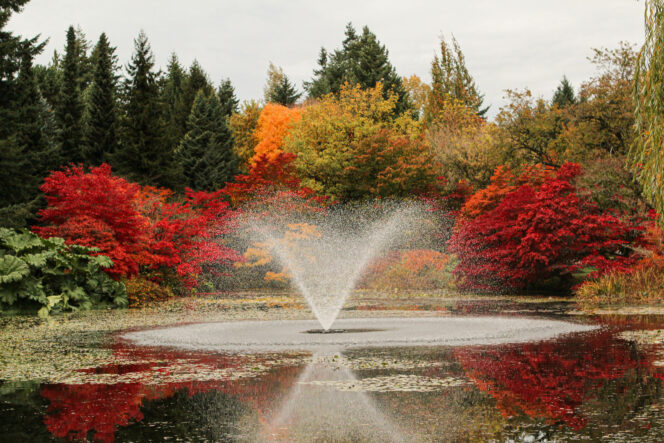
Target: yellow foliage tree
pixel 325 138
pixel 418 92
pixel 243 126
pixel 468 147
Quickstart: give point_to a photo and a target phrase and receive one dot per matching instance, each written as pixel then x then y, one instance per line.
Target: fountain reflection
pixel 324 406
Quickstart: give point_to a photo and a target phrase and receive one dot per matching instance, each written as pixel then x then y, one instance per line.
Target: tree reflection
pixel 554 379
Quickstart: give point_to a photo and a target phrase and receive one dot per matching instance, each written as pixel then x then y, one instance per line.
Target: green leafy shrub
pixel 48 275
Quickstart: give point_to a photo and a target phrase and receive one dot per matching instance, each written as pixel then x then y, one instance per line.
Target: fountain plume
pixel 326 263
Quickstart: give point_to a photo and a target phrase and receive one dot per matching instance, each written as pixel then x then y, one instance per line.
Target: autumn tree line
pixel 552 191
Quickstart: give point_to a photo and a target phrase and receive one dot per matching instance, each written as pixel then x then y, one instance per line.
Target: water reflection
pixel 585 386
pixel 320 407
pixel 554 379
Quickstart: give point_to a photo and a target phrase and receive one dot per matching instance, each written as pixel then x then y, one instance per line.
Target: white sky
pixel 507 43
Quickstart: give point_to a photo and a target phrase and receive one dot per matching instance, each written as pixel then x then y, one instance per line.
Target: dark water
pixel 593 386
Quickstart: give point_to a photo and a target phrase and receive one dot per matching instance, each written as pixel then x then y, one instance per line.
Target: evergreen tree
pixel 101 122
pixel 25 143
pixel 143 156
pixel 227 98
pixel 70 109
pixel 451 79
pixel 36 130
pixel 49 79
pixel 195 80
pixel 172 97
pixel 564 95
pixel 284 93
pixel 206 152
pixel 361 60
pixel 86 62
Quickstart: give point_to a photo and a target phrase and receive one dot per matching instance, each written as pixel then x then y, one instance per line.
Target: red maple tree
pixel 536 231
pixel 97 209
pixel 137 227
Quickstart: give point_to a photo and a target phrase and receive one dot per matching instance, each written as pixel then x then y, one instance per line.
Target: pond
pixel 602 384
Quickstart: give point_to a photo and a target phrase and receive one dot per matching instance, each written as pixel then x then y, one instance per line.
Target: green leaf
pixel 103 262
pixel 22 241
pixel 37 260
pixel 12 269
pixel 43 312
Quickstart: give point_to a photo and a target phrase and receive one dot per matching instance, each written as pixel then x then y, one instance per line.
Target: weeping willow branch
pixel 647 152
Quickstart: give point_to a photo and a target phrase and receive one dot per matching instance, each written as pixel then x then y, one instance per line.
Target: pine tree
pixel 86 62
pixel 361 60
pixel 36 129
pixel 564 95
pixel 143 156
pixel 172 97
pixel 227 98
pixel 284 93
pixel 49 79
pixel 70 110
pixel 451 79
pixel 25 139
pixel 206 152
pixel 101 122
pixel 195 80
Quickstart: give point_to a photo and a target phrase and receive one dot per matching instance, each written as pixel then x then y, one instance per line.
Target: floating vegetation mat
pixel 391 383
pixel 63 348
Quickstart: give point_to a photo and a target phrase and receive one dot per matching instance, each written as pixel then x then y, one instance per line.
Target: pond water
pixel 604 384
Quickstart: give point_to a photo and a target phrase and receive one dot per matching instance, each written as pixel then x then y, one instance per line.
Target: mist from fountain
pixel 326 265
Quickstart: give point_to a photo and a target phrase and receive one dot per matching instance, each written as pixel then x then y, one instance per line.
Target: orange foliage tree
pixel 273 124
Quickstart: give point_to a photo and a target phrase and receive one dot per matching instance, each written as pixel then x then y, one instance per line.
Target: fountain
pixel 326 264
pixel 325 255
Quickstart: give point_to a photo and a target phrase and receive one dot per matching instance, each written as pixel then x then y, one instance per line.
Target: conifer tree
pixel 86 61
pixel 195 80
pixel 49 79
pixel 564 95
pixel 206 152
pixel 284 93
pixel 143 156
pixel 36 130
pixel 70 109
pixel 172 96
pixel 361 60
pixel 25 141
pixel 227 98
pixel 101 125
pixel 451 79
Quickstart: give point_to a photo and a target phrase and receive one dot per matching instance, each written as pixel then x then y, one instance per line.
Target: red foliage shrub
pixel 96 209
pixel 535 231
pixel 138 228
pixel 184 235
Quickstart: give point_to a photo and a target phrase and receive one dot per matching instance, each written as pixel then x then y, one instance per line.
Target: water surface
pixel 600 385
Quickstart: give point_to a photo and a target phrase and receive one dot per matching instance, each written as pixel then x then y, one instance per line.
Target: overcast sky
pixel 507 43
